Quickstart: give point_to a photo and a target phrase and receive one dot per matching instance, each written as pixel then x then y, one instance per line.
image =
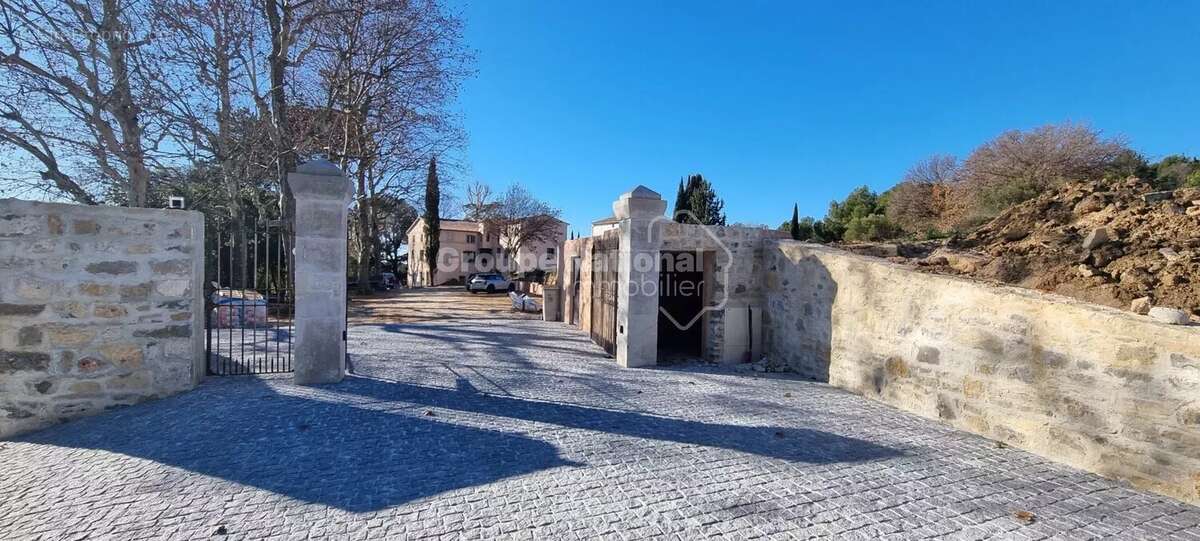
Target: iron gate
pixel 249 301
pixel 605 254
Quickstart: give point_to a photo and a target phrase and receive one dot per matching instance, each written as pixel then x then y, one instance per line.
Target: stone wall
pixel 1100 389
pixel 99 307
pixel 577 296
pixel 737 275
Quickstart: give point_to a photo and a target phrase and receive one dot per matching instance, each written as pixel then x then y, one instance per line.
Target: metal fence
pixel 249 302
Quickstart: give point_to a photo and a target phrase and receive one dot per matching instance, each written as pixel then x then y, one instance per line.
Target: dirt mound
pixel 1106 242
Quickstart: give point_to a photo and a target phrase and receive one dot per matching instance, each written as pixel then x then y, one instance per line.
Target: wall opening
pixel 681 300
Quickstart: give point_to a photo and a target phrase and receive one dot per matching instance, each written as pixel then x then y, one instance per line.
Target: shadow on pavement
pixel 316 451
pixel 336 453
pixel 786 443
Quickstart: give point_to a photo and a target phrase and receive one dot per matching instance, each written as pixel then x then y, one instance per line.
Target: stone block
pixel 319 350
pixel 1096 237
pixel 166 331
pixel 90 365
pixel 1140 306
pixel 69 335
pixel 35 290
pixel 54 224
pixel 114 268
pixel 84 387
pixel 93 289
pixel 7 309
pixel 29 336
pixel 175 267
pixel 72 310
pixel 85 227
pixel 172 288
pixel 138 292
pixel 127 356
pixel 321 254
pixel 320 221
pixel 1169 315
pixel 23 361
pixel 136 381
pixel 15 225
pixel 109 311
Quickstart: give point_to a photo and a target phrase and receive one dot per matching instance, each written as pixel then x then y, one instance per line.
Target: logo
pixel 688 262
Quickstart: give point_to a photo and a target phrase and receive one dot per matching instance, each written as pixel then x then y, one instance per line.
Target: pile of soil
pixel 1107 242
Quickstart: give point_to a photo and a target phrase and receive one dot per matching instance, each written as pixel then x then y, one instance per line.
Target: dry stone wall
pixel 1100 389
pixel 99 307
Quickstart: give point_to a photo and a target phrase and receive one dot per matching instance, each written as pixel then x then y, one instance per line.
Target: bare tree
pixel 71 82
pixel 389 69
pixel 479 205
pixel 1018 165
pixel 916 204
pixel 935 169
pixel 522 220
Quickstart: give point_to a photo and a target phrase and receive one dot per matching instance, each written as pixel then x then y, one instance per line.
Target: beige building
pixel 468 247
pixel 599 227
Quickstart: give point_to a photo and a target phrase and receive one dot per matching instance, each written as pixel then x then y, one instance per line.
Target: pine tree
pixel 433 224
pixel 795 226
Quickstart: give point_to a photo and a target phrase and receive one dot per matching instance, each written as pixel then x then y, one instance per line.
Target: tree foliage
pixel 125 101
pixel 433 220
pixel 697 202
pixel 1019 165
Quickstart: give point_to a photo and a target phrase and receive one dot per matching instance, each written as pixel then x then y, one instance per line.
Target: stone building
pixel 700 298
pixel 468 247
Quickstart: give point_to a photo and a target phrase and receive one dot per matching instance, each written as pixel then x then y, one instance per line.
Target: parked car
pixel 490 282
pixel 383 282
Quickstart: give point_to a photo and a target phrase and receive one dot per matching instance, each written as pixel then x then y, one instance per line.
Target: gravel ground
pixel 523 429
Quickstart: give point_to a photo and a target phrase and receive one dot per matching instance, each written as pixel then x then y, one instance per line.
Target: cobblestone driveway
pixel 522 429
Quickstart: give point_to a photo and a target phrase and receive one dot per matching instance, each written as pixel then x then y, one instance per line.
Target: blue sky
pixel 782 102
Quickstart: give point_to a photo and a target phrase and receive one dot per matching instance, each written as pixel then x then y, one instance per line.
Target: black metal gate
pixel 249 300
pixel 605 254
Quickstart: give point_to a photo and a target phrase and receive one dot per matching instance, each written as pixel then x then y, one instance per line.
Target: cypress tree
pixel 681 201
pixel 795 226
pixel 433 224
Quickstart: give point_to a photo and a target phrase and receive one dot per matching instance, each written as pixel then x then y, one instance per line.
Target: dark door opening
pixel 681 293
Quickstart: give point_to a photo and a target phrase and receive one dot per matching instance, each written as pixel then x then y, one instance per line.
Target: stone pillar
pixel 639 212
pixel 322 194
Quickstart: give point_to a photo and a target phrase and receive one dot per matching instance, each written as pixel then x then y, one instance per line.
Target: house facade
pixel 467 247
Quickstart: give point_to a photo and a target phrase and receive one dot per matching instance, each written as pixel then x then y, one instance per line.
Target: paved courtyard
pixel 521 429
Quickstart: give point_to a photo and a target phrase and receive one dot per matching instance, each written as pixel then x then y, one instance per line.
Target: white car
pixel 490 282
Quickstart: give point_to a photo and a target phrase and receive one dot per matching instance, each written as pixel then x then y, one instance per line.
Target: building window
pixel 549 251
pixel 470 239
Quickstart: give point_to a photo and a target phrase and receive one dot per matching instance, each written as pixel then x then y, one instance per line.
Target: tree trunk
pixel 122 106
pixel 279 20
pixel 364 232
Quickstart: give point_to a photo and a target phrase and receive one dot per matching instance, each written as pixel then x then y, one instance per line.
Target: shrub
pixel 1019 165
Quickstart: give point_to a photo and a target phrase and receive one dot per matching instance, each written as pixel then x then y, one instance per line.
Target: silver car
pixel 490 282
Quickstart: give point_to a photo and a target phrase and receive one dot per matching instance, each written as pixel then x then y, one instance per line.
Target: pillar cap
pixel 320 179
pixel 640 202
pixel 319 166
pixel 641 192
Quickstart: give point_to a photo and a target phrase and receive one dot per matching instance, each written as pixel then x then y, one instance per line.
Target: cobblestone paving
pixel 522 429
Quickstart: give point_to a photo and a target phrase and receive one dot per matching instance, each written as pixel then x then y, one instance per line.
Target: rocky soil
pixel 1115 242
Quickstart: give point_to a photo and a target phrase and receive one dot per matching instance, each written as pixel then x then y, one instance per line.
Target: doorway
pixel 682 291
